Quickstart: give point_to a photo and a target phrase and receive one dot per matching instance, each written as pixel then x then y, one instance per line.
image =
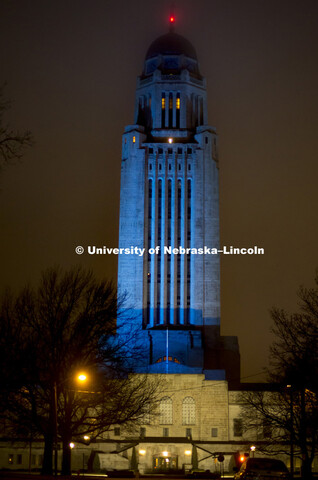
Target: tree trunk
pixel 66 460
pixel 306 473
pixel 47 466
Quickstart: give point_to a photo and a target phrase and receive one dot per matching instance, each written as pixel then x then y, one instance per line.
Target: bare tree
pixel 12 143
pixel 49 334
pixel 287 419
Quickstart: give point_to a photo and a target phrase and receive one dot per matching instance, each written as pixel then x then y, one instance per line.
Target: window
pixel 150 166
pixel 150 151
pixel 142 432
pixel 117 431
pixel 170 109
pixel 214 432
pixel 179 151
pixel 188 411
pixel 10 458
pixel 165 411
pixel 163 110
pixel 160 151
pixel 165 432
pixel 189 151
pixel 267 430
pixel 237 427
pixel 188 432
pixel 189 166
pixel 178 110
pixel 19 459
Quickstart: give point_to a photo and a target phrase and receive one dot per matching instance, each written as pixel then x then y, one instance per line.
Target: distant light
pixel 142 452
pixel 253 448
pixel 82 377
pixel 242 458
pixel 72 445
pixel 134 139
pixel 165 454
pixel 187 452
pixel 170 140
pixel 86 437
pixel 172 19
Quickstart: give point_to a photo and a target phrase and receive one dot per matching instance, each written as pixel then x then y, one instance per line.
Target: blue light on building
pixel 170 200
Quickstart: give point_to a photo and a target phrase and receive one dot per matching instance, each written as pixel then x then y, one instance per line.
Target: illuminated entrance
pixel 164 462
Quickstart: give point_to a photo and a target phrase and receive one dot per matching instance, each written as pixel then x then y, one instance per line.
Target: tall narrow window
pixel 169 256
pixel 237 427
pixel 201 111
pixel 178 104
pixel 165 411
pixel 188 411
pixel 163 110
pixel 179 223
pixel 170 109
pixel 189 213
pixel 159 254
pixel 149 245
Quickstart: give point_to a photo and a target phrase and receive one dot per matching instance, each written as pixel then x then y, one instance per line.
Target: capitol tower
pixel 169 209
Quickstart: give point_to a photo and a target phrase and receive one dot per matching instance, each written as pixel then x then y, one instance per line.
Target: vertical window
pixel 149 245
pixel 178 110
pixel 188 411
pixel 142 432
pixel 189 212
pixel 10 458
pixel 169 256
pixel 117 431
pixel 165 411
pixel 201 111
pixel 237 427
pixel 170 109
pixel 214 432
pixel 19 459
pixel 188 432
pixel 179 224
pixel 163 110
pixel 165 432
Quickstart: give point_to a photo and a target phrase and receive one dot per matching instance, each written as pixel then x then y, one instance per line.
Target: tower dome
pixel 171 44
pixel 171 53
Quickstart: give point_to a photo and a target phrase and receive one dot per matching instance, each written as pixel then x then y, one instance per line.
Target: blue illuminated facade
pixel 169 208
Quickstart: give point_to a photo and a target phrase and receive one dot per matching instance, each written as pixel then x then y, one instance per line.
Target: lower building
pixel 197 425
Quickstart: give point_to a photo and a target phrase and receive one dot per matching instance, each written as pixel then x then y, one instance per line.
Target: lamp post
pixel 80 377
pixel 291 431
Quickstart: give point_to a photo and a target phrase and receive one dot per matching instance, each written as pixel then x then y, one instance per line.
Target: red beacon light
pixel 172 19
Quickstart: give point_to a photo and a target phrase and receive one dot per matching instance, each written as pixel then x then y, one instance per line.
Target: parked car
pixel 203 474
pixel 262 469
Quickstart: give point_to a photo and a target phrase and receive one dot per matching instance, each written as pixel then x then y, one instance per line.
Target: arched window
pixel 165 410
pixel 188 411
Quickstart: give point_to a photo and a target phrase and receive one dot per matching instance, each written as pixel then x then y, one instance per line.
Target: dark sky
pixel 71 69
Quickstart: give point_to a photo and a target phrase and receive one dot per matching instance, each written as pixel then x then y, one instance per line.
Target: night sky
pixel 71 68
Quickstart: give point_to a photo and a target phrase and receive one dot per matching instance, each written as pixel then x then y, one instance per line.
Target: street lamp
pixel 291 431
pixel 81 377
